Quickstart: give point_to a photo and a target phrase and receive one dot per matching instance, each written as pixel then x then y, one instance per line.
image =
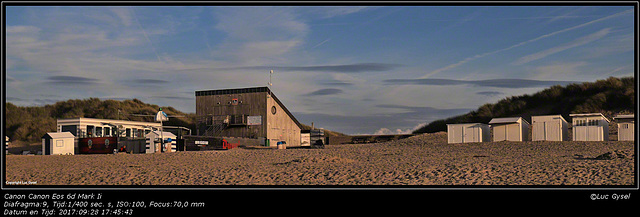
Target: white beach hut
pixel 590 127
pixel 58 143
pixel 510 129
pixel 549 128
pixel 468 132
pixel 154 145
pixel 626 127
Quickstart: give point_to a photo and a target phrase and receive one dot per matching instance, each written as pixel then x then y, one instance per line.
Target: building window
pixel 273 110
pixel 90 131
pixel 625 126
pixel 59 143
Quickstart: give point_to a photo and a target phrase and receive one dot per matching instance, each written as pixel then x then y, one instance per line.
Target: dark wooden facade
pixel 225 113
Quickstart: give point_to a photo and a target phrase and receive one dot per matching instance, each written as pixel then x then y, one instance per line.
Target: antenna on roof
pixel 270 73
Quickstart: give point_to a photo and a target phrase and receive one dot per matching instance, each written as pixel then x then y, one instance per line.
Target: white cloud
pixel 559 71
pixel 259 35
pixel 386 131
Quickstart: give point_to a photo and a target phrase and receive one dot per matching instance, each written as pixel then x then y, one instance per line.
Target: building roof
pixel 467 124
pixel 60 135
pixel 164 134
pixel 249 90
pixel 624 116
pixel 549 116
pixel 507 120
pixel 590 115
pixel 106 121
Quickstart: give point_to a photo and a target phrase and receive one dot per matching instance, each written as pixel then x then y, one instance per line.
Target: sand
pixel 425 159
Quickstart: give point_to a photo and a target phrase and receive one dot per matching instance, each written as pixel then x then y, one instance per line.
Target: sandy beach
pixel 424 159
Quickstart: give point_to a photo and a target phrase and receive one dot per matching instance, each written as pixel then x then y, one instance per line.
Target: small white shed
pixel 590 127
pixel 468 132
pixel 154 145
pixel 549 128
pixel 510 129
pixel 626 127
pixel 58 143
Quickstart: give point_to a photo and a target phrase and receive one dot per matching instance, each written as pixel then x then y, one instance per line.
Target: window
pixel 625 126
pixel 107 131
pixel 99 131
pixel 60 143
pixel 128 132
pixel 73 129
pixel 90 131
pixel 273 110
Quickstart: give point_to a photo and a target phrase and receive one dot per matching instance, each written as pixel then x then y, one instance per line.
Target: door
pixel 513 132
pixel 539 133
pixel 472 134
pixel 552 131
pixel 499 133
pixel 457 134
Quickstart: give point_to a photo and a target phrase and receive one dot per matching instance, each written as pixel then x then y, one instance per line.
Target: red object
pixel 97 145
pixel 227 145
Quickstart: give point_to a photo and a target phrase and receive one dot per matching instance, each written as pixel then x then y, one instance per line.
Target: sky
pixel 351 69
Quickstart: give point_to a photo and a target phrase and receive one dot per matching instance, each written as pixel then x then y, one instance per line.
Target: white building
pixel 510 129
pixel 468 132
pixel 590 127
pixel 58 144
pixel 549 128
pixel 626 127
pixel 93 127
pixel 154 142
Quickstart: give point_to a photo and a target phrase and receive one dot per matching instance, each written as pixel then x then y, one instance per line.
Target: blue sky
pixel 353 69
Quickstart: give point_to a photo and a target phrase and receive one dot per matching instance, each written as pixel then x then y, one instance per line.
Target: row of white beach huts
pixel 585 127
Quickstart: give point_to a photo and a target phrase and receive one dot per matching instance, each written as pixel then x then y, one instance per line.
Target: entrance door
pixel 457 133
pixel 499 133
pixel 469 134
pixel 539 133
pixel 553 131
pixel 513 132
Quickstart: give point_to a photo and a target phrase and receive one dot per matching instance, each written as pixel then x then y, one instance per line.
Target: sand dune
pixel 420 160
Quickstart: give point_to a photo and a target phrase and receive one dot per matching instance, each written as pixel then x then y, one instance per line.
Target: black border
pixel 317 199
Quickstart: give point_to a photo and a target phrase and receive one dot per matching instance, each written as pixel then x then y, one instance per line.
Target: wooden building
pixel 254 113
pixel 468 132
pixel 510 129
pixel 626 127
pixel 590 127
pixel 549 128
pixel 58 144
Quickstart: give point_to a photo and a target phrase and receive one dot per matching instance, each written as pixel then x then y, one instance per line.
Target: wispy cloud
pixel 344 68
pixel 149 81
pixel 521 44
pixel 501 83
pixel 324 92
pixel 489 93
pixel 578 42
pixel 75 80
pixel 144 32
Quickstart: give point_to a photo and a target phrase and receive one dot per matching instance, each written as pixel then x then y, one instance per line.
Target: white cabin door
pixel 513 132
pixel 499 133
pixel 539 133
pixel 457 133
pixel 469 134
pixel 553 131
